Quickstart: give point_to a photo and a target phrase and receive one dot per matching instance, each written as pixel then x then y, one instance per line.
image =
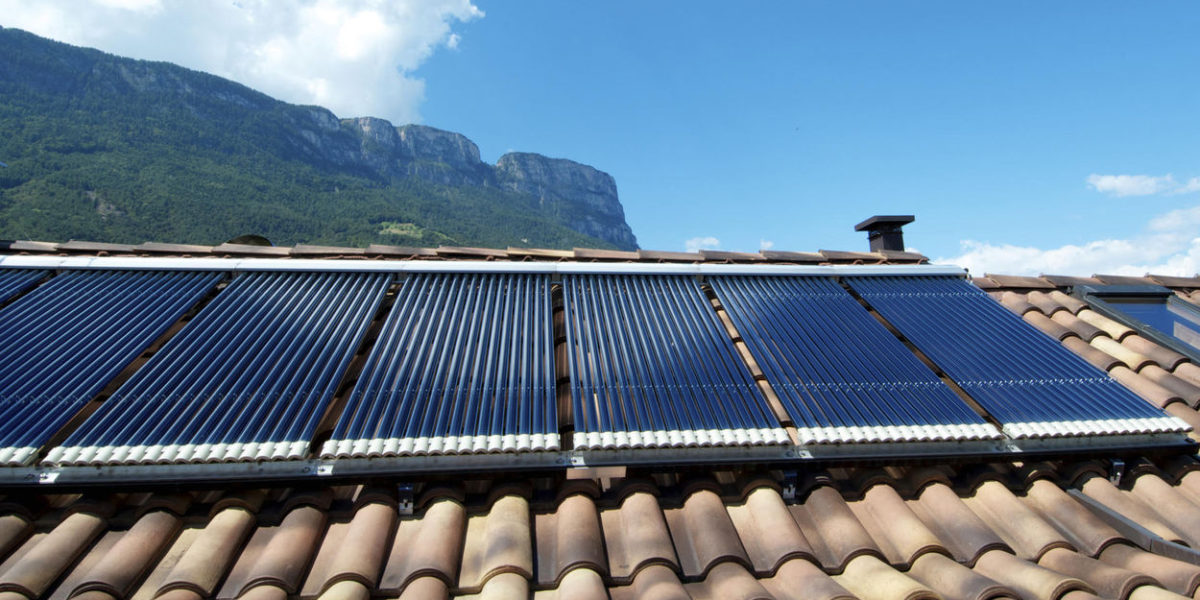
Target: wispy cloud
pixel 355 57
pixel 765 244
pixel 1168 244
pixel 702 243
pixel 1141 185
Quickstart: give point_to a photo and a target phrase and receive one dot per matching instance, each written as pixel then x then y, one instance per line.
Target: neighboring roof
pixel 1098 528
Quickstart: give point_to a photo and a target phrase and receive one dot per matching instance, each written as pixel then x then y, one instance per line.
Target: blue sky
pixel 1030 137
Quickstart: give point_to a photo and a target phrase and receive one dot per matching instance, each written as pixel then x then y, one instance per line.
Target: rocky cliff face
pixel 580 197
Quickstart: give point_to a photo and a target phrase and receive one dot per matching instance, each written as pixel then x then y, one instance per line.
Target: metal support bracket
pixel 791 479
pixel 404 497
pixel 1116 469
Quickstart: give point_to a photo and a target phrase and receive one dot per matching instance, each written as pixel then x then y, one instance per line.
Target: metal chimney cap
pixel 884 222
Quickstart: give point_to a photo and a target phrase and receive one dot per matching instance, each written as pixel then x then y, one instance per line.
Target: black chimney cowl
pixel 884 231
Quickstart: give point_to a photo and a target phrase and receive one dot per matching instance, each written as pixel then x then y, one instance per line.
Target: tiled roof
pixel 1069 530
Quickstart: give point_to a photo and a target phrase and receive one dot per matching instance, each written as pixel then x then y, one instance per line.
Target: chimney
pixel 884 231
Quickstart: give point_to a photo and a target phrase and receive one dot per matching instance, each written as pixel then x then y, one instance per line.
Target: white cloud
pixel 1169 244
pixel 1141 185
pixel 702 243
pixel 765 244
pixel 355 57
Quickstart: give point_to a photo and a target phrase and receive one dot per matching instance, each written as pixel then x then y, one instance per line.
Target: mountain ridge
pixel 193 145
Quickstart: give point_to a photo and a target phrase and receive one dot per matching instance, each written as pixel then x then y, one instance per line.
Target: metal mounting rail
pixel 357 469
pixel 460 266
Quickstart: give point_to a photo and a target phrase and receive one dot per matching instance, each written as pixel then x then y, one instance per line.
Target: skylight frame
pixel 1095 296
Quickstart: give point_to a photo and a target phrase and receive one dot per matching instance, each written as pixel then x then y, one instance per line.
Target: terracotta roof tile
pixel 872 579
pixel 953 580
pixel 431 545
pixel 204 563
pixel 1180 513
pixel 1098 358
pixel 728 581
pixel 353 550
pixel 1110 327
pixel 840 256
pixel 567 538
pixel 136 551
pixel 655 582
pixel 1123 280
pixel 14 528
pixel 399 251
pixel 497 542
pixel 1070 280
pixel 737 257
pixel 831 527
pixel 1144 387
pixel 664 256
pixel 539 253
pixel 703 534
pixel 1047 326
pixel 1083 529
pixel 799 578
pixel 1107 580
pixel 636 535
pixel 1175 282
pixel 1128 357
pixel 1177 576
pixel 1044 302
pixel 1188 371
pixel 470 253
pixel 900 256
pixel 581 583
pixel 601 254
pixel 1029 579
pixel 1016 302
pixel 956 526
pixel 251 250
pixel 1016 281
pixel 769 534
pixel 100 248
pixel 1019 526
pixel 28 246
pixel 896 529
pixel 43 558
pixel 277 556
pixel 503 586
pixel 310 251
pixel 793 257
pixel 103 546
pixel 1165 357
pixel 1103 491
pixel 1081 328
pixel 426 587
pixel 984 283
pixel 1188 392
pixel 159 248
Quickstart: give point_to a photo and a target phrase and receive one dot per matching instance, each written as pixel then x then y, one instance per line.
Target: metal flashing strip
pixel 68 338
pixel 648 354
pixel 460 266
pixel 1032 385
pixel 247 379
pixel 841 376
pixel 464 363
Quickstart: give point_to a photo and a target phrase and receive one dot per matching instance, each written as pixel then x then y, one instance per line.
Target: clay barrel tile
pixel 71 581
pixel 799 578
pixel 1048 326
pixel 1083 529
pixel 1029 579
pixel 893 525
pixel 346 590
pixel 567 538
pixel 832 529
pixel 1016 302
pixel 286 556
pixel 1094 356
pixel 1175 575
pixel 959 529
pixel 54 553
pixel 728 581
pixel 1174 508
pixel 1020 527
pixel 579 584
pixel 655 582
pixel 502 586
pixel 1188 371
pixel 14 528
pixel 425 587
pixel 1188 415
pixel 1165 357
pixel 497 542
pixel 869 578
pixel 264 592
pixel 1071 303
pixel 1132 359
pixel 1148 390
pixel 767 530
pixel 133 555
pixel 1189 485
pixel 1101 490
pixel 703 534
pixel 1107 580
pixel 204 563
pixel 636 535
pixel 1115 330
pixel 953 580
pixel 1046 303
pixel 1084 330
pixel 94 595
pixel 354 550
pixel 430 544
pixel 1188 392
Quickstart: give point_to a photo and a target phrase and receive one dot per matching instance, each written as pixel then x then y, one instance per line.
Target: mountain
pixel 106 148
